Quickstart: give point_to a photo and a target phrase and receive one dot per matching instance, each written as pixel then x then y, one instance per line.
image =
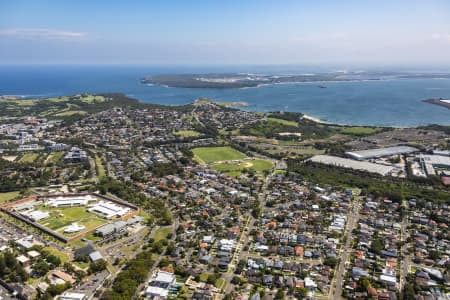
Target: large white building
pixel 70 201
pixel 430 162
pixel 109 209
pixel 380 152
pixel 354 164
pixel 35 215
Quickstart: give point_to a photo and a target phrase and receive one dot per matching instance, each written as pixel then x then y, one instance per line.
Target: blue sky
pixel 381 32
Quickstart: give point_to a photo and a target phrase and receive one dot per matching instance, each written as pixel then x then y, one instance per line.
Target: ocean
pixel 393 102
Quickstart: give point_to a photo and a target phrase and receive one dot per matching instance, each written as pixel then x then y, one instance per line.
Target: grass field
pixel 232 132
pixel 61 255
pixel 29 157
pixel 360 130
pixel 5 197
pixel 162 233
pixel 55 157
pixel 284 122
pixel 100 168
pixel 298 151
pixel 235 169
pixel 187 133
pixel 63 216
pixel 70 113
pixel 215 154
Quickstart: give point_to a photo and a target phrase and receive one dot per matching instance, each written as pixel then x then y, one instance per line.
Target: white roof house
pixel 154 291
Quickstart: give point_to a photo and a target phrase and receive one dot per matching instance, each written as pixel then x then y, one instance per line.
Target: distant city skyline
pixel 374 33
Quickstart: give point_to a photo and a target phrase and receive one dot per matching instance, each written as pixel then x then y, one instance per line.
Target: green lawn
pixel 100 168
pixel 162 233
pixel 63 216
pixel 359 130
pixel 235 169
pixel 215 154
pixel 284 122
pixel 298 151
pixel 61 255
pixel 55 157
pixel 187 133
pixel 29 157
pixel 232 132
pixel 220 283
pixel 70 113
pixel 5 197
pixel 92 98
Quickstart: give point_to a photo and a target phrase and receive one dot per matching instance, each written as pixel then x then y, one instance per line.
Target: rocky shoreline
pixel 439 101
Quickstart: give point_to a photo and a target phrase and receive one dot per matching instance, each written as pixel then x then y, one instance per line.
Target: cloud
pixel 41 33
pixel 441 36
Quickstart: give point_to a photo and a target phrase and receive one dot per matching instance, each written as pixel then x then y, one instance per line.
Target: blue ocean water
pixel 395 102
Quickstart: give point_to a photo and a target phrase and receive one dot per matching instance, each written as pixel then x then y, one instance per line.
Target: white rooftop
pixel 353 164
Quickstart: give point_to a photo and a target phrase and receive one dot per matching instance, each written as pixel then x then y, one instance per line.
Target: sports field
pixel 61 217
pixel 216 154
pixel 236 169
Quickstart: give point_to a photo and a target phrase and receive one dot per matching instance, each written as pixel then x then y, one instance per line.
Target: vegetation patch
pixel 101 173
pixel 216 154
pixel 55 157
pixel 29 157
pixel 63 216
pixel 162 233
pixel 236 169
pixel 187 133
pixel 360 130
pixel 284 122
pixel 5 197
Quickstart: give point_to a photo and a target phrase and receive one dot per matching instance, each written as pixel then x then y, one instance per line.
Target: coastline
pixel 317 120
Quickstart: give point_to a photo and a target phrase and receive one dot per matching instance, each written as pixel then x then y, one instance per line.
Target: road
pixel 244 239
pixel 406 261
pixel 353 217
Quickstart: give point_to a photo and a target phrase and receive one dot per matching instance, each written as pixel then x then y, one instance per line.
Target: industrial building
pixel 109 209
pixel 430 162
pixel 110 228
pixel 354 164
pixel 380 152
pixel 35 215
pixel 69 201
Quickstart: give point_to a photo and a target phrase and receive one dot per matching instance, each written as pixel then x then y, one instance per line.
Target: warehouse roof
pixel 380 152
pixel 353 164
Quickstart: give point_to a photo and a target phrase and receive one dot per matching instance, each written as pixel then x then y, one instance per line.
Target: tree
pixel 330 261
pixel 97 266
pixel 53 260
pixel 302 292
pixel 280 294
pixel 41 267
pixel 377 245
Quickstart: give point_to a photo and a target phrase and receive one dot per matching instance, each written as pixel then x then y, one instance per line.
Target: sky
pixel 359 32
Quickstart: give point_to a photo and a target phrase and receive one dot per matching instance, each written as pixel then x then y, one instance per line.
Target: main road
pixel 353 217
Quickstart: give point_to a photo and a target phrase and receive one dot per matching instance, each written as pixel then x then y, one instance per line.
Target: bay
pixel 393 102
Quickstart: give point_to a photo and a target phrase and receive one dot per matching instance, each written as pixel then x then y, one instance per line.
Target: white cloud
pixel 41 33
